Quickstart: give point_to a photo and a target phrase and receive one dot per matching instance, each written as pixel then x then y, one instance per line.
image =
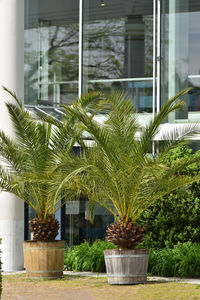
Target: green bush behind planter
pixel 86 257
pixel 181 261
pixel 175 218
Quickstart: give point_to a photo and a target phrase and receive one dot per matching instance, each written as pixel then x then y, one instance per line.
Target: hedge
pixel 183 260
pixel 175 218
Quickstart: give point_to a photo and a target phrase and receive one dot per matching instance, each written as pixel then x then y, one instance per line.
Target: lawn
pixel 90 288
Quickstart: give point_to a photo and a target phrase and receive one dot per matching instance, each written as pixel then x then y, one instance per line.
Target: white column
pixel 11 76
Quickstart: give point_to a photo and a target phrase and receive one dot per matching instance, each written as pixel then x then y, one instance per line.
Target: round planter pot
pixel 44 259
pixel 126 266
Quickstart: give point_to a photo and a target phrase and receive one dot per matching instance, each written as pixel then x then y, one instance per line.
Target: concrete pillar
pixel 11 76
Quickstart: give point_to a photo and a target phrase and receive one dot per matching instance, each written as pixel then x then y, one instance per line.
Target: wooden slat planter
pixel 126 266
pixel 44 259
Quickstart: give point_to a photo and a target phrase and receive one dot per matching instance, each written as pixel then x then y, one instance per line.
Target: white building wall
pixel 11 76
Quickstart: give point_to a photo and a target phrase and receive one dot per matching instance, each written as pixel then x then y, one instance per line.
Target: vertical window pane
pixel 118 48
pixel 51 51
pixel 78 226
pixel 180 52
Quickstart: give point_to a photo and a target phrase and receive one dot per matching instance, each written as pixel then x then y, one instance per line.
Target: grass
pixel 75 287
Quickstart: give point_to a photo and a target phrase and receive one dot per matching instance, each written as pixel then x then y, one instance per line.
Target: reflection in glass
pixel 78 226
pixel 117 49
pixel 51 51
pixel 180 53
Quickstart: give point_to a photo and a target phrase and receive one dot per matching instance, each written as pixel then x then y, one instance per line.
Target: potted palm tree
pixel 28 170
pixel 121 174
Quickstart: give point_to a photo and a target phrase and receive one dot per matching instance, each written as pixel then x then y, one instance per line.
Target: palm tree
pixel 119 172
pixel 30 160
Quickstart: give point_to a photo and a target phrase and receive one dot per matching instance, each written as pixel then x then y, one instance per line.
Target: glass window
pixel 117 53
pixel 117 48
pixel 78 226
pixel 180 53
pixel 51 51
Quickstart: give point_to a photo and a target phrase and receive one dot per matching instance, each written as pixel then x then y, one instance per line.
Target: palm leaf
pixel 120 174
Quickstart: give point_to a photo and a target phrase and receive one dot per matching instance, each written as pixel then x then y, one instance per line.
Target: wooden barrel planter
pixel 126 266
pixel 44 259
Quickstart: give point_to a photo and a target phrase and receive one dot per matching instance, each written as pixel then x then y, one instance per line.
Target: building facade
pixel 53 51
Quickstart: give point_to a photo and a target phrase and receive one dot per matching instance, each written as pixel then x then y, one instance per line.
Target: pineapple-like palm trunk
pixel 44 229
pixel 125 234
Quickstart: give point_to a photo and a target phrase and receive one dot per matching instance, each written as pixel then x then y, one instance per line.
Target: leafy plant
pixel 30 160
pixel 119 172
pixel 183 260
pixel 175 218
pixel 86 257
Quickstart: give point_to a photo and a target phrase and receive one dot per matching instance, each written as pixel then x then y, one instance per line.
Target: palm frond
pixel 151 130
pixel 174 132
pixel 121 175
pixel 30 159
pixel 14 96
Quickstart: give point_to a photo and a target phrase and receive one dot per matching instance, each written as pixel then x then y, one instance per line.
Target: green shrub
pixel 181 261
pixel 175 218
pixel 87 258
